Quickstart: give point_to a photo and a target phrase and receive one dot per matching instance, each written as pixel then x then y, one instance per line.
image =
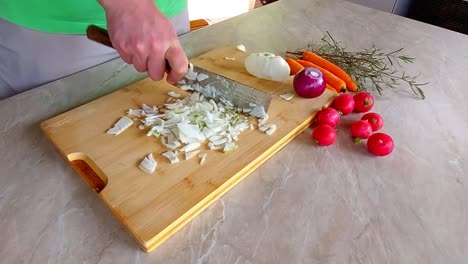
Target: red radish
pixel 324 135
pixel 361 130
pixel 344 103
pixel 380 144
pixel 375 120
pixel 328 116
pixel 363 102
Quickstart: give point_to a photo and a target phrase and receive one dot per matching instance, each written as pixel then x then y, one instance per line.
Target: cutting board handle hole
pixel 88 170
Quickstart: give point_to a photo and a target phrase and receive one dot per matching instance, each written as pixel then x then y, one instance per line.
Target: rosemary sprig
pixel 370 67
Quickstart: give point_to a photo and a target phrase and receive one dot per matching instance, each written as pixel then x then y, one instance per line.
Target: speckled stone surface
pixel 304 205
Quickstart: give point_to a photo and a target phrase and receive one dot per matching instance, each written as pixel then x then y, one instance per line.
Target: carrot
pixel 329 77
pixel 331 67
pixel 294 66
pixel 331 88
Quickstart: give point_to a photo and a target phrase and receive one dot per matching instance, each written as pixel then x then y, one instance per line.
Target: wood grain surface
pixel 153 207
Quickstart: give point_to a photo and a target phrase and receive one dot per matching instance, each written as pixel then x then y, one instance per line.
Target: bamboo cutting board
pixel 153 207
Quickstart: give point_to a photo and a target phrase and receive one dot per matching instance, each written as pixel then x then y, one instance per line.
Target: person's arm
pixel 144 37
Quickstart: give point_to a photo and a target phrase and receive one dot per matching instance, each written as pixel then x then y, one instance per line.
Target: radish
pixel 363 102
pixel 327 116
pixel 375 120
pixel 344 103
pixel 361 130
pixel 324 135
pixel 380 144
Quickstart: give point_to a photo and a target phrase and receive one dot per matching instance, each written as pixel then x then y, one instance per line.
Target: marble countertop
pixel 306 204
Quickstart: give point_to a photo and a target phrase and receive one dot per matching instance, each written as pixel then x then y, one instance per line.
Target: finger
pixel 156 66
pixel 123 52
pixel 126 57
pixel 140 62
pixel 178 62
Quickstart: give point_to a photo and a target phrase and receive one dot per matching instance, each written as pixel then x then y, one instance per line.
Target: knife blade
pixel 225 90
pixel 219 88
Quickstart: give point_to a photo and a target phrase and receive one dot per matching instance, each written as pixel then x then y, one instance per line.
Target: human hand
pixel 144 37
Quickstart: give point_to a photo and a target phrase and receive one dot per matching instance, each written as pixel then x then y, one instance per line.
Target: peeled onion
pixel 309 82
pixel 266 65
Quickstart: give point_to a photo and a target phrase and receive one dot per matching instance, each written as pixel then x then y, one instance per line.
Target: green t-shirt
pixel 68 16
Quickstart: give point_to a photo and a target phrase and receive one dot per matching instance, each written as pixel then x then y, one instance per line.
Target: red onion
pixel 309 82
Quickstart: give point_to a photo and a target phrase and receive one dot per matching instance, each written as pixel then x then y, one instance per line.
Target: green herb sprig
pixel 372 66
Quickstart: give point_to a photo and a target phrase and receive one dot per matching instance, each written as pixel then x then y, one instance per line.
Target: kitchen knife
pixel 225 90
pixel 211 85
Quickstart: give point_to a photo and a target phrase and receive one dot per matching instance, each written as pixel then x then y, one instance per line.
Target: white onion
pixel 202 157
pixel 148 164
pixel 266 65
pixel 191 154
pixel 122 124
pixel 171 156
pixel 185 124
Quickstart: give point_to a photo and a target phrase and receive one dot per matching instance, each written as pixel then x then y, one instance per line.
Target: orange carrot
pixel 331 67
pixel 294 66
pixel 329 77
pixel 331 88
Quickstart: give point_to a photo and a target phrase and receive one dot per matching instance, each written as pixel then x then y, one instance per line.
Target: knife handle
pixel 100 35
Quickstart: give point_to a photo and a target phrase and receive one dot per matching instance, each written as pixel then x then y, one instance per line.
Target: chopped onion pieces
pixel 148 164
pixel 263 120
pixel 191 75
pixel 174 94
pixel 171 156
pixel 202 157
pixel 191 154
pixel 136 112
pixel 268 129
pixel 187 87
pixel 241 47
pixel 258 111
pixel 202 77
pixel 190 147
pixel 185 123
pixel 271 130
pixel 122 124
pixel 229 146
pixel 215 147
pixel 287 96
